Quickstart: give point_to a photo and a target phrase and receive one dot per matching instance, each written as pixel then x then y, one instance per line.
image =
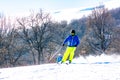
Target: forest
pixel 33 39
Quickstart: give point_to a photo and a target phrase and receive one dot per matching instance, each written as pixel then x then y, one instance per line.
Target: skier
pixel 72 42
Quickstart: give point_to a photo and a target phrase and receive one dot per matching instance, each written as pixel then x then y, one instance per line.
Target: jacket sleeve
pixel 66 39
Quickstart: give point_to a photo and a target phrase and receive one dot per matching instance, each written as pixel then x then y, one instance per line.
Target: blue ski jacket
pixel 72 41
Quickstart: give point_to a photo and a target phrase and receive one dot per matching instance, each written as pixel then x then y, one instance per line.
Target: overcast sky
pixel 22 7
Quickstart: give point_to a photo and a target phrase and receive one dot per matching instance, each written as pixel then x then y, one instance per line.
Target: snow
pixel 81 69
pixel 77 13
pixel 110 3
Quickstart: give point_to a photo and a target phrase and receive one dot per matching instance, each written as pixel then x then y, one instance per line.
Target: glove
pixel 75 45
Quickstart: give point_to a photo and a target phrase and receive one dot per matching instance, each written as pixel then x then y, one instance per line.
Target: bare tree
pixel 10 50
pixel 100 25
pixel 3 41
pixel 115 44
pixel 36 32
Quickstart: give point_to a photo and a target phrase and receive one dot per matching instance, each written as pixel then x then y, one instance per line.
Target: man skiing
pixel 72 42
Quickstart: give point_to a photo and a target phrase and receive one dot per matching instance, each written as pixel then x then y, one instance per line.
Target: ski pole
pixel 54 54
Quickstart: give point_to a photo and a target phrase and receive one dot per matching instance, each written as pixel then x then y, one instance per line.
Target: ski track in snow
pixel 63 72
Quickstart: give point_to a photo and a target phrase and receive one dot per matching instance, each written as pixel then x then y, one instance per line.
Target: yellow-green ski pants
pixel 69 52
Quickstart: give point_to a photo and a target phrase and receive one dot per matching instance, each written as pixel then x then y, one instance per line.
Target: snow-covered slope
pixel 87 71
pixel 76 13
